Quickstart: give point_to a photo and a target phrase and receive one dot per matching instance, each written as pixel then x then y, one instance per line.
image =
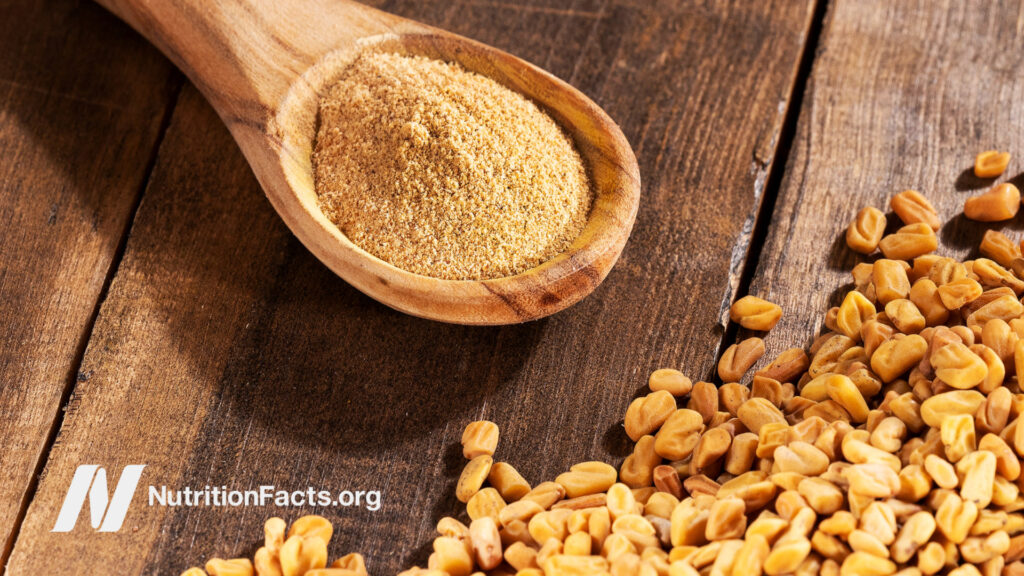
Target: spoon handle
pixel 243 55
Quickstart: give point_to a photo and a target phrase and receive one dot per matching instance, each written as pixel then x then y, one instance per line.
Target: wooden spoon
pixel 262 64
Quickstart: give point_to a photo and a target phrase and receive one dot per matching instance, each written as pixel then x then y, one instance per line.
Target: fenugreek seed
pixel 958 437
pixel 954 518
pixel 727 520
pixel 888 434
pixel 786 367
pixel 872 479
pixel 232 567
pixel 998 204
pixel 897 356
pixel 741 453
pixel 637 470
pixel 679 435
pixel 485 503
pixel 937 407
pixel 941 471
pixel 979 471
pixel 821 495
pixel 855 310
pixel 786 556
pixel 738 358
pixel 473 477
pixel 864 564
pixel 300 554
pixel 909 242
pixel 958 293
pixel 522 511
pixel 509 483
pixel 890 280
pixel 479 438
pixel 647 414
pixel 802 458
pixel 958 367
pixel 666 479
pixel 753 313
pixel 1007 463
pixel 925 296
pixel 991 163
pixel 866 230
pixel 545 495
pixel 704 400
pixel 671 380
pixel 912 207
pixel 757 412
pixel 483 535
pixel 587 478
pixel 998 247
pixel 520 556
pixel 620 501
pixel 917 530
pixel 711 447
pixel 844 392
pixel 905 316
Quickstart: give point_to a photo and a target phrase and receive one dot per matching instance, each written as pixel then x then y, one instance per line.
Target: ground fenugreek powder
pixel 444 172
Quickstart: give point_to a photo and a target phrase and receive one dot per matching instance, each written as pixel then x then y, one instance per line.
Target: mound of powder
pixel 444 172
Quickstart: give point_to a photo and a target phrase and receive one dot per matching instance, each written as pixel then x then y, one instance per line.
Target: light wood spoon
pixel 262 64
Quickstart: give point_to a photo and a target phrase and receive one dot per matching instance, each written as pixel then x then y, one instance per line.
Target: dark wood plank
pixel 902 95
pixel 226 354
pixel 82 101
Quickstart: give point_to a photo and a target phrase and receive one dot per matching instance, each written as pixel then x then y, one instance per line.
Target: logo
pixel 106 512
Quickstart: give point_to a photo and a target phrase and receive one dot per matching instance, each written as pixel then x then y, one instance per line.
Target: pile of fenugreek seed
pixel 892 445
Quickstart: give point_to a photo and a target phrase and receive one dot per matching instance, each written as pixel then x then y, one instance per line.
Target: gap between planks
pixel 177 83
pixel 776 168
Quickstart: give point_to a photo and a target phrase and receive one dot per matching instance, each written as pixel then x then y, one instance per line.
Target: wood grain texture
pixel 902 95
pixel 76 141
pixel 263 65
pixel 227 354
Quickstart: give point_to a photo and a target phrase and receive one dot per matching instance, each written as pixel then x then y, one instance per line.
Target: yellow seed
pixel 479 438
pixel 866 230
pixel 233 567
pixel 912 207
pixel 647 414
pixel 637 470
pixel 917 530
pixel 508 481
pixel 587 478
pixel 998 247
pixel 753 313
pixel 726 519
pixel 473 477
pixel 302 553
pixel 998 204
pixel 672 381
pixel 897 356
pixel 991 163
pixel 957 293
pixel 844 392
pixel 909 242
pixel 958 436
pixel 486 543
pixel 853 313
pixel 738 358
pixel 486 503
pixel 679 435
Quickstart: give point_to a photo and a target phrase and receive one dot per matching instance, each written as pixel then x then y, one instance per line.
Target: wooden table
pixel 154 310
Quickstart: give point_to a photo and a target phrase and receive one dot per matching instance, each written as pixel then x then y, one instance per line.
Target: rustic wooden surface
pixel 903 95
pixel 226 354
pixel 76 142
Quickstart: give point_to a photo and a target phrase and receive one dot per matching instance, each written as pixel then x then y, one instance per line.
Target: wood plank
pixel 226 354
pixel 76 140
pixel 902 95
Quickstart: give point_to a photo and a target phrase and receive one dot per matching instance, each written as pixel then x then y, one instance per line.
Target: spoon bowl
pixel 263 67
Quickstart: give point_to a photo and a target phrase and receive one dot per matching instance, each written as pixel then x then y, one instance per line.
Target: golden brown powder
pixel 444 172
